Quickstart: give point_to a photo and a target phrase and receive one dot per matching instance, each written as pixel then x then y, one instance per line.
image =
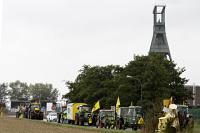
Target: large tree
pixel 154 78
pixel 157 78
pixel 3 93
pixel 146 81
pixel 43 91
pixel 19 90
pixel 94 83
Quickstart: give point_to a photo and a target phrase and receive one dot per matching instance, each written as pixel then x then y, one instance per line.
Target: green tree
pixel 3 92
pixel 159 79
pixel 19 90
pixel 146 81
pixel 43 91
pixel 93 84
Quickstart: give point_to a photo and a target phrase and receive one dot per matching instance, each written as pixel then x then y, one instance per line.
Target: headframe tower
pixel 159 42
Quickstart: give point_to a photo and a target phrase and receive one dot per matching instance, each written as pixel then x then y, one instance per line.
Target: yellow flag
pixel 166 103
pixel 96 106
pixel 117 105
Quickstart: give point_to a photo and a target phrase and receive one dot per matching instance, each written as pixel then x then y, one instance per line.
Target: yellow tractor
pixel 34 111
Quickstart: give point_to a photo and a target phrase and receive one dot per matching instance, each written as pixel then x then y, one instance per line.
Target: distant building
pixel 15 103
pixel 196 95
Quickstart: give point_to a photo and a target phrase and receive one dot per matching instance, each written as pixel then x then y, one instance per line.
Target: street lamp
pixel 135 78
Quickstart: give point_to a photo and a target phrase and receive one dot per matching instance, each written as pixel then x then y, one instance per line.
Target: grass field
pixel 197 128
pixel 13 125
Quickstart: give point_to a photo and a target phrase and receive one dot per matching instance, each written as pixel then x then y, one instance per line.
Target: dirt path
pixel 13 125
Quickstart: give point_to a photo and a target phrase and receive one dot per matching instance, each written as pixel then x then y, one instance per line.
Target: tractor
pixel 34 111
pixel 106 118
pixel 128 117
pixel 83 114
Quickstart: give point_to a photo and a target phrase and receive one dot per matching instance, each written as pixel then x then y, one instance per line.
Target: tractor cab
pixel 129 117
pixel 83 114
pixel 106 118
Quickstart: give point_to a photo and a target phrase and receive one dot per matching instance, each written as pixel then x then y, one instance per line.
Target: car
pixel 52 116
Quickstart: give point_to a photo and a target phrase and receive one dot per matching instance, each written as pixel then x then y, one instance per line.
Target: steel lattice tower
pixel 159 42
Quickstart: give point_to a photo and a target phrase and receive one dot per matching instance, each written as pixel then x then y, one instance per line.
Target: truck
pixel 72 110
pixel 34 111
pixel 128 117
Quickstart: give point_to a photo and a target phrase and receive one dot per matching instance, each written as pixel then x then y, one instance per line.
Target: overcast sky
pixel 50 40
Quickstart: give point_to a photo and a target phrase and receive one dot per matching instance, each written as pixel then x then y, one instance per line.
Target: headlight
pixel 37 109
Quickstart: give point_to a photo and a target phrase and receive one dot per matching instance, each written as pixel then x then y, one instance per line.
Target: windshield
pixel 107 113
pixel 85 109
pixel 35 106
pixel 52 114
pixel 135 111
pixel 124 112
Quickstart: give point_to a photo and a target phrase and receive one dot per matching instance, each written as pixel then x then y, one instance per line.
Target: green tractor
pixel 106 119
pixel 34 111
pixel 128 117
pixel 83 114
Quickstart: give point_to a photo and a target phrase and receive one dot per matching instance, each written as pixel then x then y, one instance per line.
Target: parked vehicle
pixel 106 118
pixel 52 116
pixel 34 111
pixel 82 115
pixel 72 110
pixel 129 117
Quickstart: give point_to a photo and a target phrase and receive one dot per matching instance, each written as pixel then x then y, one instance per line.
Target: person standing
pixel 173 119
pixel 190 125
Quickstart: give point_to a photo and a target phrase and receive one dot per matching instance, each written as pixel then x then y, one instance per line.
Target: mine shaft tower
pixel 159 42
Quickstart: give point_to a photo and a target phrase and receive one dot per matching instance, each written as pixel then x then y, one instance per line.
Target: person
pixel 1 111
pixel 120 122
pixel 170 122
pixel 94 119
pixel 21 110
pixel 182 120
pixel 97 121
pixel 89 120
pixel 64 116
pixel 173 119
pixel 190 125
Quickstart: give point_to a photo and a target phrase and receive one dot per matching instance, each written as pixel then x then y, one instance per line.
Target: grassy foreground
pixel 13 125
pixel 197 128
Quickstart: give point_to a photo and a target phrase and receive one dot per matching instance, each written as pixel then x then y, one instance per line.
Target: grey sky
pixel 50 40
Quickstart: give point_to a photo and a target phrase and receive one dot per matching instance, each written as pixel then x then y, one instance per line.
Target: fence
pixel 195 112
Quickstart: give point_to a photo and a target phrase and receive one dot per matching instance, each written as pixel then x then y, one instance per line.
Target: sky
pixel 48 41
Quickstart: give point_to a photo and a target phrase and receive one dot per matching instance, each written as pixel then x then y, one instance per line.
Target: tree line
pixel 21 90
pixel 146 81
